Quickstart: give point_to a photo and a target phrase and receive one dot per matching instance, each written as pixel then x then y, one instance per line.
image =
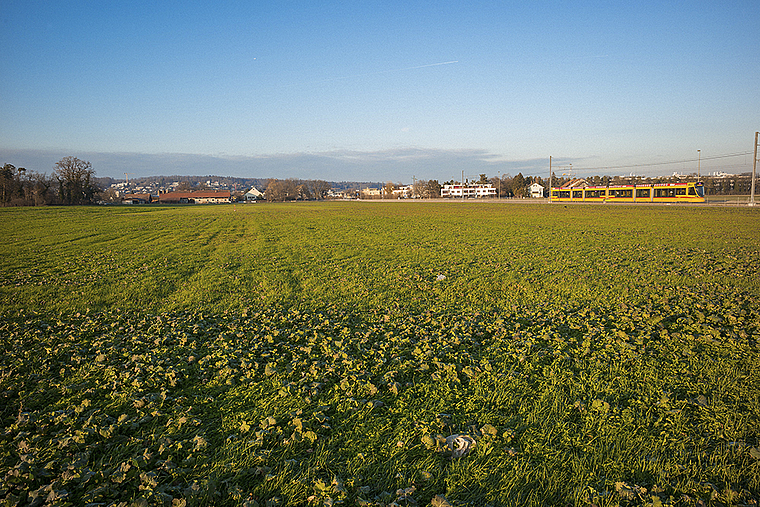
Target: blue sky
pixel 378 90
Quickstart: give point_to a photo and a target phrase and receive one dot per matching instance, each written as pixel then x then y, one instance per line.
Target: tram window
pixel 691 191
pixel 700 191
pixel 564 194
pixel 577 194
pixel 555 193
pixel 625 193
pixel 642 192
pixel 680 191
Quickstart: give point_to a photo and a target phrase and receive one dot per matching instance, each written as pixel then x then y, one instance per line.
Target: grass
pixel 321 353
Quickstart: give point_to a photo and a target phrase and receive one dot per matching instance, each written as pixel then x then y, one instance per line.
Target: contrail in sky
pixel 428 65
pixel 386 71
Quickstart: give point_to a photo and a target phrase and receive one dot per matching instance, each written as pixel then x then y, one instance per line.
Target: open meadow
pixel 322 353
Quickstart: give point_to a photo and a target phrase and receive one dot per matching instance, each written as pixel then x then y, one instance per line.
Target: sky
pixel 379 91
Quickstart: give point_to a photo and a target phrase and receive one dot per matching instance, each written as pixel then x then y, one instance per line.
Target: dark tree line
pixel 293 189
pixel 516 186
pixel 19 187
pixel 72 182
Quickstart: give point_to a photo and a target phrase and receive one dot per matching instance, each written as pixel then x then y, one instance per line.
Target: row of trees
pixel 513 186
pixel 421 189
pixel 19 187
pixel 70 183
pixel 293 189
pixel 73 182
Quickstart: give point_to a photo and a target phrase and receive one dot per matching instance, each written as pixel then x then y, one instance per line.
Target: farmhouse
pixel 536 191
pixel 253 195
pixel 196 197
pixel 136 199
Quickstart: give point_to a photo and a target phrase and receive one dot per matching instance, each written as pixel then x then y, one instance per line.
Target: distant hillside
pixel 225 181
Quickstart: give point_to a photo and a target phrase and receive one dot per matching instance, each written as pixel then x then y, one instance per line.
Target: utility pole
pixel 550 179
pixel 754 170
pixel 699 164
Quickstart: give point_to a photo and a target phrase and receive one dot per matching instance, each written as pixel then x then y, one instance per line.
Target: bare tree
pixel 273 191
pixel 388 190
pixel 74 180
pixel 418 188
pixel 282 190
pixel 38 189
pixel 318 189
pixel 303 191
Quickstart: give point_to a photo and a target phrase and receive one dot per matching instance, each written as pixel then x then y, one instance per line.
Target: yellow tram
pixel 659 192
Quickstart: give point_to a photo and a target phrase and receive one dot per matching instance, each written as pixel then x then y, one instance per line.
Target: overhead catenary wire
pixel 654 164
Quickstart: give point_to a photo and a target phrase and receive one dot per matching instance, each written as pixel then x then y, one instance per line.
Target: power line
pixel 653 164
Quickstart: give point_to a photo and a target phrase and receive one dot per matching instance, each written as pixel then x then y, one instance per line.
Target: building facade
pixel 468 191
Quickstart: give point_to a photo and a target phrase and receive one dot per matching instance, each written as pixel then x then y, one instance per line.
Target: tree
pixel 318 189
pixel 10 185
pixel 74 181
pixel 518 185
pixel 418 188
pixel 281 190
pixel 432 189
pixel 274 191
pixel 303 191
pixel 388 190
pixel 108 195
pixel 19 187
pixel 38 189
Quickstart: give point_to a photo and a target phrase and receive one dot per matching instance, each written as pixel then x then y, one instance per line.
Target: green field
pixel 320 354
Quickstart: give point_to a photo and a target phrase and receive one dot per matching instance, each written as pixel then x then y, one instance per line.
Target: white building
pixel 403 192
pixel 484 190
pixel 253 194
pixel 476 190
pixel 372 192
pixel 536 191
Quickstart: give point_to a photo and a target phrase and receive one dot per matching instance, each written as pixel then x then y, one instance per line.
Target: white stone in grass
pixel 460 445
